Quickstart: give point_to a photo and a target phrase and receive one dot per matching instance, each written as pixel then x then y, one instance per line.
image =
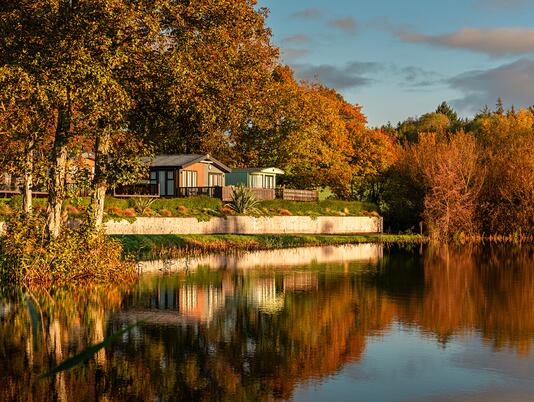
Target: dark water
pixel 437 324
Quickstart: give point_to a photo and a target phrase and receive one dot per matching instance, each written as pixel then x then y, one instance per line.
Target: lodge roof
pixel 184 160
pixel 259 170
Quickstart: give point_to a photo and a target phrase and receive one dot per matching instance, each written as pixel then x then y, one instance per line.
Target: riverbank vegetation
pixel 471 178
pixel 169 246
pixel 74 258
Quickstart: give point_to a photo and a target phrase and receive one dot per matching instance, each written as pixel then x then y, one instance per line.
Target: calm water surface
pixel 335 324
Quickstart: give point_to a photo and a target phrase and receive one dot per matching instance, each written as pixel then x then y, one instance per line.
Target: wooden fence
pixel 297 195
pixel 140 190
pixel 262 194
pixel 213 192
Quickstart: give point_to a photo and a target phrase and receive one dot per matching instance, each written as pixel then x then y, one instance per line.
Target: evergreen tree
pixel 448 111
pixel 500 108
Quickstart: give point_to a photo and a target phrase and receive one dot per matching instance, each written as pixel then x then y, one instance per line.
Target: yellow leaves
pixel 500 129
pixel 318 137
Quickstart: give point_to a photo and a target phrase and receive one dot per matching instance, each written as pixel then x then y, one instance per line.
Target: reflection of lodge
pixel 262 293
pixel 270 299
pixel 296 281
pixel 200 303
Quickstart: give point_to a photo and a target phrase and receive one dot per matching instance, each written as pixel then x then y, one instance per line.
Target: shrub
pixel 141 204
pixel 165 212
pixel 77 257
pixel 114 211
pixel 5 210
pixel 129 213
pixel 182 209
pixel 226 211
pixel 243 201
pixel 149 212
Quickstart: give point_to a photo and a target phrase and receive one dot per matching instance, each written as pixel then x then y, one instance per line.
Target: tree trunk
pixel 103 142
pixel 57 176
pixel 28 181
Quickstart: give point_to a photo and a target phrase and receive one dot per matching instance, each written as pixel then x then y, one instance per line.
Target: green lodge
pixel 253 177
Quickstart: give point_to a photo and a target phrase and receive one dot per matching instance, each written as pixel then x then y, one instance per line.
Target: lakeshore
pixel 144 247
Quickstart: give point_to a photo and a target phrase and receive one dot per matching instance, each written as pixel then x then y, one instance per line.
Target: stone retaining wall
pixel 246 225
pixel 249 225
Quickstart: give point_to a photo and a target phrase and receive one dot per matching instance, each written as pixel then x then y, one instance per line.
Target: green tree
pixel 209 78
pixel 448 111
pixel 24 126
pixel 80 53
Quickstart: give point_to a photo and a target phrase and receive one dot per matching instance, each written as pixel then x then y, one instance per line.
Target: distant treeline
pixel 461 177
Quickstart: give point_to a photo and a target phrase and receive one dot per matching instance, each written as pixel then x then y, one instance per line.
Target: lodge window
pixel 268 181
pixel 256 181
pixel 215 180
pixel 189 178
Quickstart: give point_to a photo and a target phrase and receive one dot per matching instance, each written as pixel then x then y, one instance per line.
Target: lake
pixel 353 323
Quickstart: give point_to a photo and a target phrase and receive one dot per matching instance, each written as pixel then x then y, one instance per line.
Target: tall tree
pixel 209 78
pixel 507 199
pixel 23 126
pixel 452 173
pixel 445 109
pixel 80 53
pixel 311 132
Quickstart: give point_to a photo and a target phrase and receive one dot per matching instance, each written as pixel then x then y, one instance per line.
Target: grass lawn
pixel 202 208
pixel 168 246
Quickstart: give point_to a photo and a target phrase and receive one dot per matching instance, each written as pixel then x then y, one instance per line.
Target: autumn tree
pixel 78 52
pixel 24 127
pixel 445 109
pixel 310 132
pixel 374 153
pixel 208 78
pixel 507 199
pixel 451 173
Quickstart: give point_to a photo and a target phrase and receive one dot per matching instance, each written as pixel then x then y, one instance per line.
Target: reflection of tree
pixel 68 323
pixel 248 352
pixel 486 289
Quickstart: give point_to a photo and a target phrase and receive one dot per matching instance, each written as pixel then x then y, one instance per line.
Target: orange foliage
pixel 313 134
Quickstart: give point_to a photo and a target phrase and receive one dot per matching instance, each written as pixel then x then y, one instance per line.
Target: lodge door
pixel 165 179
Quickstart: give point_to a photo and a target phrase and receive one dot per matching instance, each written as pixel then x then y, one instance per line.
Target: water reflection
pixel 459 322
pixel 370 253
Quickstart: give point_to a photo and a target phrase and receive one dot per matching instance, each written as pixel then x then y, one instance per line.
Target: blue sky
pixel 401 58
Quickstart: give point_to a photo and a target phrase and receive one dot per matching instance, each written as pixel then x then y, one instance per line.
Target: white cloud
pixel 338 77
pixel 347 24
pixel 299 38
pixel 308 14
pixel 513 82
pixel 495 41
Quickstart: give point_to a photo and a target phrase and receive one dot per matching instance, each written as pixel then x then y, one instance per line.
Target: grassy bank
pixel 202 208
pixel 167 246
